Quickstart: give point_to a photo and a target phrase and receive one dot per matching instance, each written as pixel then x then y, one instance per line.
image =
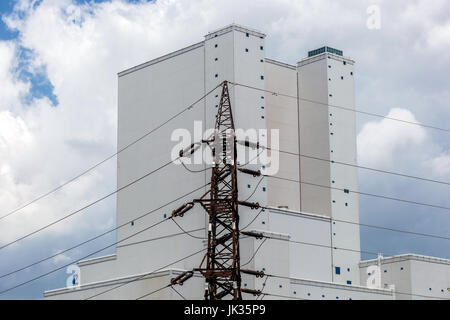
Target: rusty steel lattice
pixel 221 264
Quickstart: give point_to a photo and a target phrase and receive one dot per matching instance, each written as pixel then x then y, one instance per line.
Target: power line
pixel 342 107
pixel 109 157
pixel 360 167
pixel 145 275
pixel 253 220
pixel 178 293
pixel 254 254
pixel 160 289
pixel 86 206
pixel 256 188
pixel 315 245
pixel 186 232
pixel 159 238
pixel 85 257
pixel 383 228
pixel 356 223
pixel 365 193
pixel 109 231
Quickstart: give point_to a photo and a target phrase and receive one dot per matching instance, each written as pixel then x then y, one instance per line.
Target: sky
pixel 58 109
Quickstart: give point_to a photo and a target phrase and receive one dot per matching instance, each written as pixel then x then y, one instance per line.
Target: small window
pixel 351 73
pixel 249 186
pixel 344 62
pixel 337 270
pixel 261 47
pixel 262 107
pixel 215 59
pixel 348 191
pixel 323 296
pixel 216 75
pixel 331 133
pixel 132 223
pixel 281 286
pixel 264 189
pixel 385 271
pixel 349 282
pixel 263 222
pixel 348 269
pixel 346 204
pixel 401 268
pixel 330 95
pixel 262 97
pixel 342 78
pixel 262 117
pixel 165 215
pixel 247 35
pixel 246 49
pixel 215 46
pixel 261 60
pixel 309 294
pixel 262 77
pixel 329 66
pixel 295 292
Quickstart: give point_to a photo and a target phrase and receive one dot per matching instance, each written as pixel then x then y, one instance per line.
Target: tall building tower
pixel 305 198
pixel 325 80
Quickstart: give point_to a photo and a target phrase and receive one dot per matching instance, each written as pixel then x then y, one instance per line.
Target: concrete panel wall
pixel 282 115
pixel 314 136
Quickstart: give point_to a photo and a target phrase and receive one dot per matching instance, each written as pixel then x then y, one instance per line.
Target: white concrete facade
pixel 414 277
pixel 306 246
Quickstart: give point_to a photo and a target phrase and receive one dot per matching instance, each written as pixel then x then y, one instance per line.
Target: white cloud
pixel 380 141
pixel 441 165
pixel 11 87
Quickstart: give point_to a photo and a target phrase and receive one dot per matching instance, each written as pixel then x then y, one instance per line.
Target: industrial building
pixel 312 224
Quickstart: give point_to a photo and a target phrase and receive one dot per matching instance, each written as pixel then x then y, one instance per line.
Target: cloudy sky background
pixel 58 103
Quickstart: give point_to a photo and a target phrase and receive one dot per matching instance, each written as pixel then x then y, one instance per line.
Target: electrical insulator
pixel 258 274
pixel 182 278
pixel 256 235
pixel 250 144
pixel 189 150
pixel 252 172
pixel 252 205
pixel 182 210
pixel 251 291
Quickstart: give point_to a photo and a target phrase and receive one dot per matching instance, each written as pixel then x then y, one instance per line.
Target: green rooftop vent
pixel 324 49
